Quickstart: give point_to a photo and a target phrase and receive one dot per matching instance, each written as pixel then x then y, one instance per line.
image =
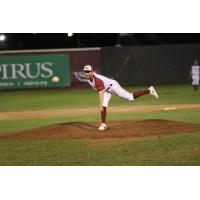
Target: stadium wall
pixel 27 69
pixel 139 65
pixel 145 65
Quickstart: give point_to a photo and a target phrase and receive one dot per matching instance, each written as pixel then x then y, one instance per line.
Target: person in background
pixel 195 72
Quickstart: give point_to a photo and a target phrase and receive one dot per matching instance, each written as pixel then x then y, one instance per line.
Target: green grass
pixel 172 150
pixel 68 98
pixel 169 150
pixel 47 99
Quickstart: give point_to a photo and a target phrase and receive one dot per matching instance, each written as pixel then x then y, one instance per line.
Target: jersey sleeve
pixel 99 84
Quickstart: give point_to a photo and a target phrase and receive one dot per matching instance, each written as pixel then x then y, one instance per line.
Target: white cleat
pixel 153 92
pixel 102 127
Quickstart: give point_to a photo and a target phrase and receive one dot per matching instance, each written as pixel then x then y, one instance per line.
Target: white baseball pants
pixel 117 90
pixel 195 79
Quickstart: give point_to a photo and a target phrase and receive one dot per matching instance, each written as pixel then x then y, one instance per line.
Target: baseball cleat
pixel 153 92
pixel 102 127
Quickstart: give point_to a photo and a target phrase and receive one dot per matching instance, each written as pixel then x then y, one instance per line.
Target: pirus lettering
pixel 26 70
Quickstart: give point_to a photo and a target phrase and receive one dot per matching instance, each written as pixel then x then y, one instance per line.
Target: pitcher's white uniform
pixel 109 87
pixel 195 70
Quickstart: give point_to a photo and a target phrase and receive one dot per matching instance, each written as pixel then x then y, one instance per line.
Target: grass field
pixel 170 150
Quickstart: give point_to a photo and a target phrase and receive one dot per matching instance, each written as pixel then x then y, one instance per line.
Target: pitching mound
pixel 117 130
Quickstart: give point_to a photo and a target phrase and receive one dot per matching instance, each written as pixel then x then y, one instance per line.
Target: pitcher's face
pixel 88 74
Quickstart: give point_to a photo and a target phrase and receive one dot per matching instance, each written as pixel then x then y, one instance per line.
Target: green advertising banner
pixel 34 71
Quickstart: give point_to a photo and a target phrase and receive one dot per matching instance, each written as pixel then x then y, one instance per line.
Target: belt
pixel 109 87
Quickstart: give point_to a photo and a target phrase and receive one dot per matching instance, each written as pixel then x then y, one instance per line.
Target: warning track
pixel 38 114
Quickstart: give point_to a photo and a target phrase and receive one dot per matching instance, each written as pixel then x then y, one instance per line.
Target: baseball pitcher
pixel 107 87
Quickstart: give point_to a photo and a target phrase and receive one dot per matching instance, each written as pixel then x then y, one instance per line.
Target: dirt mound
pixel 117 130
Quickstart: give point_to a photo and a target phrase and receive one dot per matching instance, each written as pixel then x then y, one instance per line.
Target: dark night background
pixel 62 40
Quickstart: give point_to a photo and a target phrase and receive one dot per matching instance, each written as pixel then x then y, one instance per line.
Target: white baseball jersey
pixel 195 69
pixel 109 87
pixel 100 83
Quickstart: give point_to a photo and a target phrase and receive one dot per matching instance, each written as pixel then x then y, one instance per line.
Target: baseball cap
pixel 87 68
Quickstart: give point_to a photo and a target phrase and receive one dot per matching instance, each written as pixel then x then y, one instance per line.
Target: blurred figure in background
pixel 194 72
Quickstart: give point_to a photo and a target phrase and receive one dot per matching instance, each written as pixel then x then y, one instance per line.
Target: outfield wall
pixel 145 65
pixel 35 68
pixel 34 71
pixel 139 65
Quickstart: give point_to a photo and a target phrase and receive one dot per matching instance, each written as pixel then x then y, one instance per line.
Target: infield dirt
pixel 118 131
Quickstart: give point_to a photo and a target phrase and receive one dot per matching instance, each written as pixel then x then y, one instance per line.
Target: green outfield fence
pixel 35 68
pixel 34 71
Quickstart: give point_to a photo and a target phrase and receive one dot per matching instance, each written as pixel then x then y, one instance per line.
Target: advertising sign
pixel 34 71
